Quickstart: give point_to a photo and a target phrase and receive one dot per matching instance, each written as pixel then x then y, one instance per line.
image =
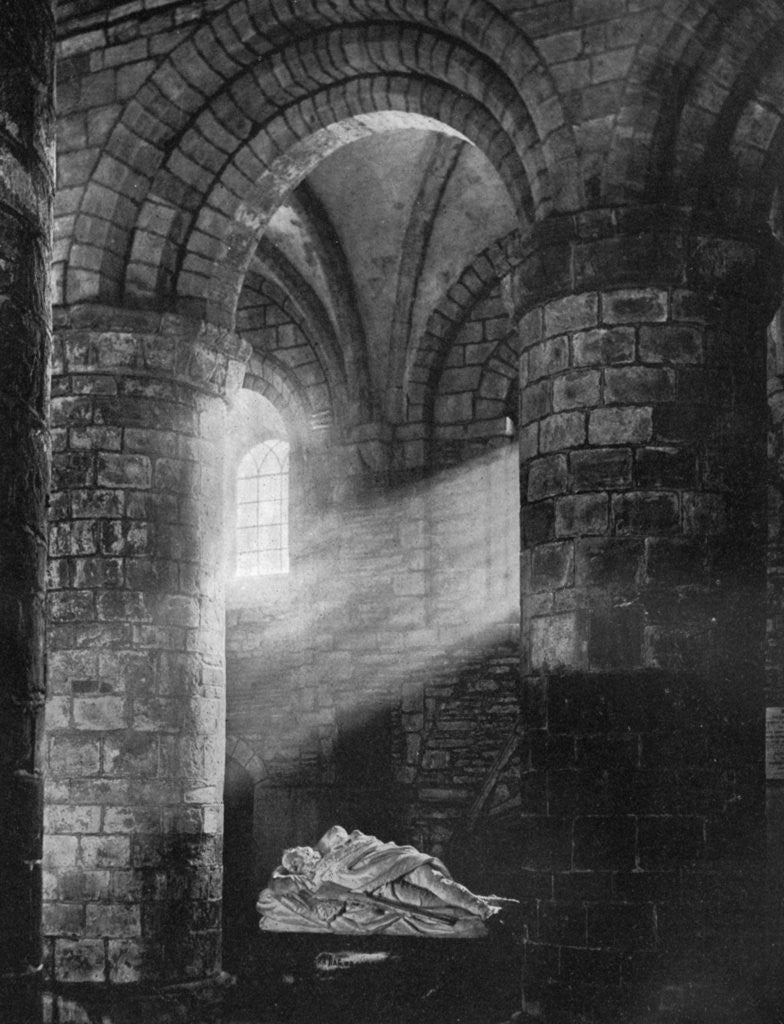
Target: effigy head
pixel 300 860
pixel 332 837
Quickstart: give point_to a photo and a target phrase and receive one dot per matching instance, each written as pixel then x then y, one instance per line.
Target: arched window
pixel 263 510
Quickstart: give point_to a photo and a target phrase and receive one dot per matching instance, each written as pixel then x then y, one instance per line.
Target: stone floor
pixel 299 979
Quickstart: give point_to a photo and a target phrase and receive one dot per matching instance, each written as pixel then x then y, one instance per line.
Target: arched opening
pixel 359 682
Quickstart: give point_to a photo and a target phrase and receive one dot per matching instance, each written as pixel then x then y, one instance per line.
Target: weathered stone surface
pixel 137 722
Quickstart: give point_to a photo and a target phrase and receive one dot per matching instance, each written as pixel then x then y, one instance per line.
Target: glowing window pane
pixel 263 510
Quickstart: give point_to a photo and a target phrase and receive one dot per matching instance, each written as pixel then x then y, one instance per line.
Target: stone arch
pixel 272 380
pixel 474 284
pixel 189 105
pixel 664 64
pixel 678 115
pixel 226 221
pixel 723 164
pixel 749 136
pixel 473 393
pixel 668 58
pixel 323 376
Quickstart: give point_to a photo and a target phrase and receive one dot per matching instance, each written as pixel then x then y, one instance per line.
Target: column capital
pixel 94 339
pixel 669 247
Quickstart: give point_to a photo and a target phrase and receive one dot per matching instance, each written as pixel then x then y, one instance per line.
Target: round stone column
pixel 26 187
pixel 642 439
pixel 135 722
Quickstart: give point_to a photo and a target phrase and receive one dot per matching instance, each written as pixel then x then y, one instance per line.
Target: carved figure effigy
pixel 357 884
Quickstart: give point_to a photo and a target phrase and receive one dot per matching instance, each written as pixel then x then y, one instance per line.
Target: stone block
pixel 562 924
pixel 126 961
pixel 63 919
pixel 693 306
pixel 549 358
pixel 563 46
pixel 528 441
pixel 98 572
pixel 670 841
pixel 562 431
pixel 538 522
pixel 547 477
pixel 100 713
pixel 601 468
pixel 74 755
pixel 704 514
pixel 577 389
pixel 95 438
pixel 107 851
pixel 531 328
pixel 683 421
pixel 554 642
pixel 673 468
pixel 70 665
pixel 608 562
pixel 74 883
pixel 552 566
pixel 143 441
pixel 643 513
pixel 582 886
pixel 119 920
pixel 72 470
pixel 615 636
pixel 677 561
pixel 71 411
pixel 93 503
pixel 634 305
pixel 546 843
pixel 620 425
pixel 60 851
pixel 123 605
pixel 460 379
pixel 176 610
pixel 131 754
pixel 78 960
pixel 638 385
pixel 671 343
pixel 603 346
pixel 535 401
pixel 58 709
pixel 606 67
pixel 456 408
pixel 70 606
pixel 72 819
pixel 621 927
pixel 176 475
pixel 604 843
pixel 572 313
pixel 124 471
pixel 582 514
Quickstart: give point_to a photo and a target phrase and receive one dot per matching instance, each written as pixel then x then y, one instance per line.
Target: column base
pixel 199 1002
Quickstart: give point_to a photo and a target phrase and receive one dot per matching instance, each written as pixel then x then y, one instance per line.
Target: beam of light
pixel 384 595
